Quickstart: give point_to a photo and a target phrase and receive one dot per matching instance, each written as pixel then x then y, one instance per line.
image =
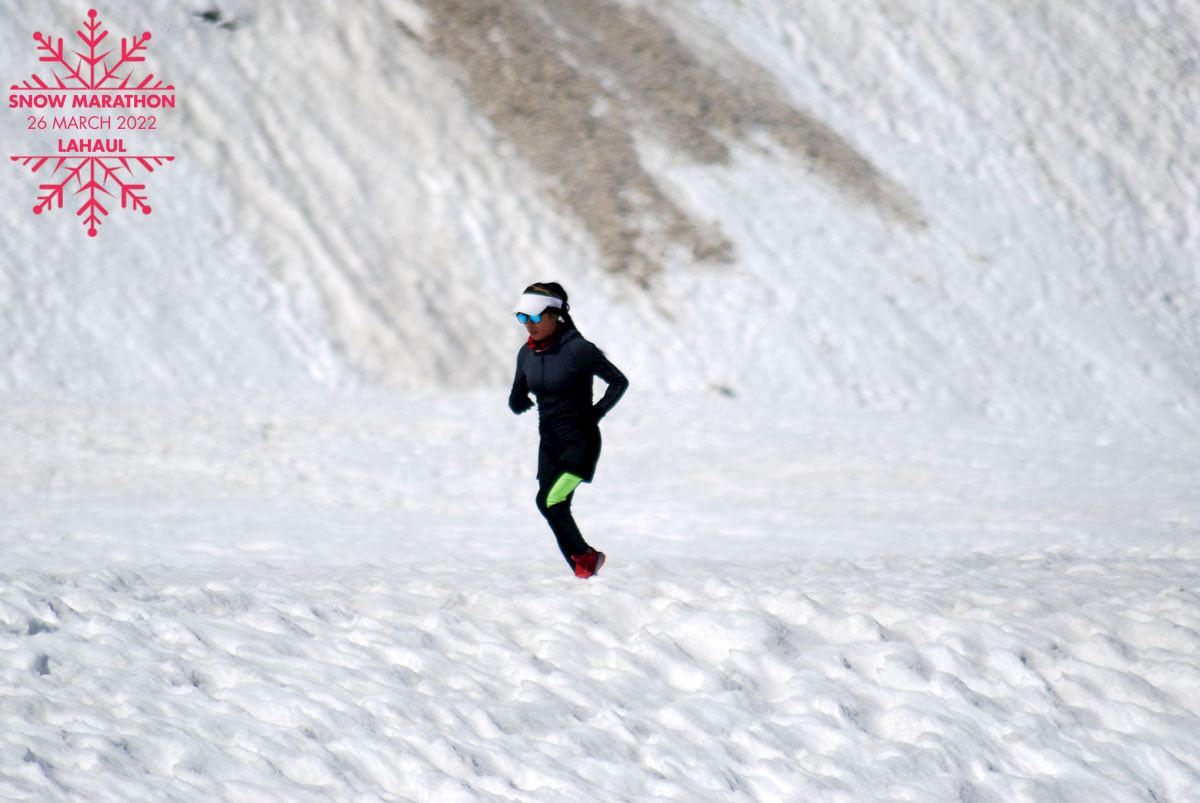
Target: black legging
pixel 570 540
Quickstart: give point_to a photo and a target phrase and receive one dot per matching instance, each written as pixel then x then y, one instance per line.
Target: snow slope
pixel 345 192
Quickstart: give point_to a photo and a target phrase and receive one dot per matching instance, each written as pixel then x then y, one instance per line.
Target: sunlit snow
pixel 901 504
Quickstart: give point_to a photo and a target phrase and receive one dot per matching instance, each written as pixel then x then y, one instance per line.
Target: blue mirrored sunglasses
pixel 523 318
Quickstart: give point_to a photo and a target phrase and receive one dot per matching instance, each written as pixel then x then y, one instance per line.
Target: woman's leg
pixel 562 523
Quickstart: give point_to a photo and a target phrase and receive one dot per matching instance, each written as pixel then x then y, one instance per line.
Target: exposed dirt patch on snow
pixel 575 83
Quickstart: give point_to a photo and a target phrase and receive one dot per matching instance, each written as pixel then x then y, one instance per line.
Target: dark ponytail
pixel 554 289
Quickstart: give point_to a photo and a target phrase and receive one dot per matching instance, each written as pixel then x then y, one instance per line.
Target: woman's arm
pixel 518 397
pixel 617 383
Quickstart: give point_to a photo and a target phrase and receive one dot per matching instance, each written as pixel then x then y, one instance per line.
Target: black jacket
pixel 561 379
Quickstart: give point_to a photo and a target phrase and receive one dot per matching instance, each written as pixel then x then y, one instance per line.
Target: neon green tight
pixel 562 488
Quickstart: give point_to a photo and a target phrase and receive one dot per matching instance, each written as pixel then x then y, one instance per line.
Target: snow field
pixel 430 478
pixel 990 676
pixel 938 543
pixel 354 599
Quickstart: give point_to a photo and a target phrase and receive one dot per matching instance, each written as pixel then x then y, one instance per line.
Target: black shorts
pixel 576 451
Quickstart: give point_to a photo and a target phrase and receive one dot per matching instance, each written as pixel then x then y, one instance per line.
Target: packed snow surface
pixel 902 503
pixel 985 677
pixel 360 603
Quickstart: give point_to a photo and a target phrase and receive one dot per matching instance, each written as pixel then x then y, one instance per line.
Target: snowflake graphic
pixel 94 175
pixel 96 178
pixel 91 70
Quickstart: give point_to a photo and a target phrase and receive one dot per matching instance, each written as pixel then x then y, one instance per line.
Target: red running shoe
pixel 588 564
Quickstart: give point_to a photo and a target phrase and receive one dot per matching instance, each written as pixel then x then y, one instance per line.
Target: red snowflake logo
pixel 84 172
pixel 97 78
pixel 95 63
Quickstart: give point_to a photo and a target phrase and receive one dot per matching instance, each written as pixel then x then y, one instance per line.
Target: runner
pixel 557 365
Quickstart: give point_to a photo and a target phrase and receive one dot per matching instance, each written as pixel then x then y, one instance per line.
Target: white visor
pixel 532 304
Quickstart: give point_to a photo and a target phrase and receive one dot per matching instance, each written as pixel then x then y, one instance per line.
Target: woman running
pixel 557 364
